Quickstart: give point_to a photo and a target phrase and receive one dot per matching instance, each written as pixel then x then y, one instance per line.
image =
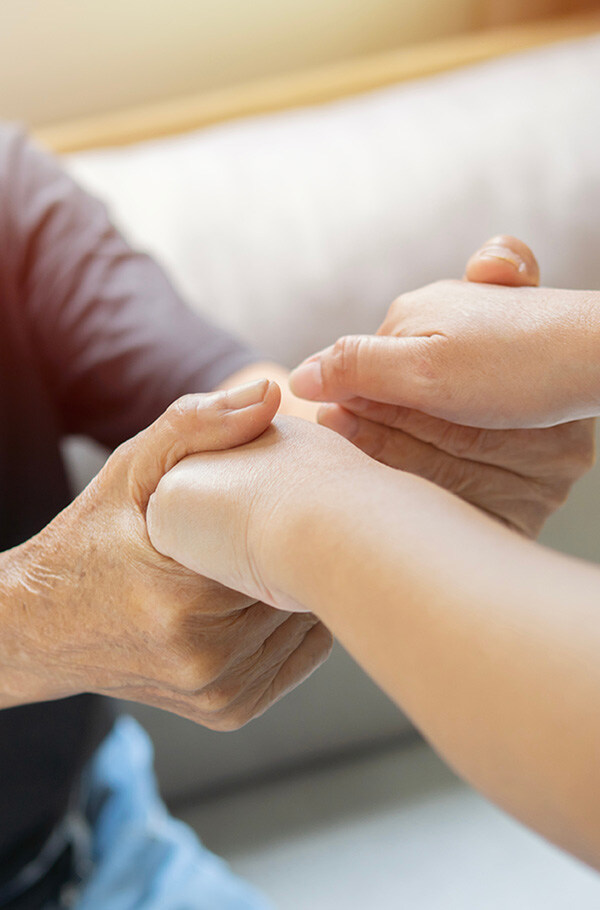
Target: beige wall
pixel 501 12
pixel 65 58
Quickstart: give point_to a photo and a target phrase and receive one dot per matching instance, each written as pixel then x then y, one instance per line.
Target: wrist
pixel 30 602
pixel 18 684
pixel 317 531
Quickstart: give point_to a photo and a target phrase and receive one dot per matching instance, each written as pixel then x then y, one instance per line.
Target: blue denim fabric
pixel 132 854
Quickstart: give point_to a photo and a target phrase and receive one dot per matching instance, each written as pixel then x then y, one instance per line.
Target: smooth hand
pixel 520 476
pixel 104 612
pixel 475 354
pixel 229 513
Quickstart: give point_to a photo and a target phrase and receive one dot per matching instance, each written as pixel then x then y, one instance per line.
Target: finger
pixel 282 662
pixel 490 487
pixel 378 367
pixel 565 451
pixel 198 423
pixel 239 635
pixel 504 260
pixel 314 649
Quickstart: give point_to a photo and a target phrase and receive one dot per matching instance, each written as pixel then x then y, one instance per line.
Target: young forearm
pixel 490 643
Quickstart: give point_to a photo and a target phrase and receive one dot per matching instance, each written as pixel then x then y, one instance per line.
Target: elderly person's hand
pixel 520 476
pixel 100 610
pixel 485 356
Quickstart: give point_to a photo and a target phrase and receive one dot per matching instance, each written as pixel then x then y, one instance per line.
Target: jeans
pixel 130 854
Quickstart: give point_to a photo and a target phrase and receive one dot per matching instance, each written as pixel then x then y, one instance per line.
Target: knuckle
pixel 212 664
pixel 341 369
pixel 217 702
pixel 195 673
pixel 397 310
pixel 124 452
pixel 189 677
pixel 228 721
pixel 394 306
pixel 181 407
pixel 228 707
pixel 343 354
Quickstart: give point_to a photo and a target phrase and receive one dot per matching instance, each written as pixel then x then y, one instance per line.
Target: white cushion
pixel 294 228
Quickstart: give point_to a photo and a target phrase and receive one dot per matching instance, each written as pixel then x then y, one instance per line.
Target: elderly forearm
pixel 26 613
pixel 489 642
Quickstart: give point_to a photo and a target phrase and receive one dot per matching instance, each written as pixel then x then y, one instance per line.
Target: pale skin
pixel 518 475
pixel 487 640
pixel 490 358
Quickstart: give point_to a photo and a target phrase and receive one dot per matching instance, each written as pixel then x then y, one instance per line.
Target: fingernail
pixel 306 381
pixel 497 251
pixel 339 420
pixel 248 394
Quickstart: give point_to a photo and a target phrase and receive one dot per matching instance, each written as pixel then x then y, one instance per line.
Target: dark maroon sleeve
pixel 116 342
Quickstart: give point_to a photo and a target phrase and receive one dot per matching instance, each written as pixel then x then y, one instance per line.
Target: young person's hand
pixel 476 354
pixel 486 640
pixel 226 513
pixel 89 605
pixel 520 476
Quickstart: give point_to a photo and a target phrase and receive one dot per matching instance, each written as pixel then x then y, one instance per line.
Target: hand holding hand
pixel 106 613
pixel 520 476
pixel 228 513
pixel 474 354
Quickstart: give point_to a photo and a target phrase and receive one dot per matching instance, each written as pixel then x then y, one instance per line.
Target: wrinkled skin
pixel 98 609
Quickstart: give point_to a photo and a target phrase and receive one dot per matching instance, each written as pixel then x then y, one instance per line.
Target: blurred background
pixel 60 59
pixel 445 121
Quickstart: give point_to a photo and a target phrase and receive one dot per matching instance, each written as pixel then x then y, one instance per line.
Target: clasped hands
pixel 113 613
pixel 436 392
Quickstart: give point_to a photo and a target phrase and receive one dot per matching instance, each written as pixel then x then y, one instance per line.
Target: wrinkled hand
pixel 109 614
pixel 520 476
pixel 475 354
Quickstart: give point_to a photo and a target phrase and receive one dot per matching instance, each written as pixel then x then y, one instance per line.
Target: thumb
pixel 504 260
pixel 194 424
pixel 378 367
